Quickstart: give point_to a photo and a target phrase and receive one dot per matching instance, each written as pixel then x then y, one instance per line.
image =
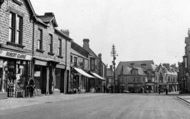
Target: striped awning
pixel 83 72
pixel 97 76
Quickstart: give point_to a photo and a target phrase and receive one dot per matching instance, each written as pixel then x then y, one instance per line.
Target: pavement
pixel 102 106
pixel 185 98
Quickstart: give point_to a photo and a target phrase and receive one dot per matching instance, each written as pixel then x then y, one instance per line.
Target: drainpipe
pixel 32 61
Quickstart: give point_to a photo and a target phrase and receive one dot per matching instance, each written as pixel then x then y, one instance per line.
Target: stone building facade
pixel 136 76
pixel 16 23
pixel 32 48
pixel 184 69
pixel 80 69
pixel 97 68
pixel 167 78
pixel 50 55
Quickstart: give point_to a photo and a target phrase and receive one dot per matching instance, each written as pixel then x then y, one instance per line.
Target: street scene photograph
pixel 94 59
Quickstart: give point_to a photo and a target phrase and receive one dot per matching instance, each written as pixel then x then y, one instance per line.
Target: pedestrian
pixel 166 91
pixel 31 87
pixel 159 90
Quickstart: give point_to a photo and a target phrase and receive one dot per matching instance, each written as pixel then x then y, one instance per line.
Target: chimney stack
pixel 100 55
pixel 86 43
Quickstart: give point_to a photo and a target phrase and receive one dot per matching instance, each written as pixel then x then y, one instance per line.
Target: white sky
pixel 140 29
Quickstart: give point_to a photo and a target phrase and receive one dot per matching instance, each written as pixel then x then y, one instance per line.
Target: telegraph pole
pixel 114 54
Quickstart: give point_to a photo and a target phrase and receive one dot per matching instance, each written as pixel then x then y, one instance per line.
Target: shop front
pixel 40 76
pixel 150 87
pixel 99 82
pixel 14 73
pixel 80 80
pixel 44 76
pixel 59 74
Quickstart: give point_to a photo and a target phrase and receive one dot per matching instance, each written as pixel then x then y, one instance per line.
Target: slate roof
pixel 127 65
pixel 79 49
pixel 91 52
pixel 166 69
pixel 126 70
pixel 149 64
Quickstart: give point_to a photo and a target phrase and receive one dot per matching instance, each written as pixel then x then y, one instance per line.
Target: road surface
pixel 108 106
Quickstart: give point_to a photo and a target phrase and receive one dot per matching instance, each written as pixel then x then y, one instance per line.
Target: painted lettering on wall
pixel 14 55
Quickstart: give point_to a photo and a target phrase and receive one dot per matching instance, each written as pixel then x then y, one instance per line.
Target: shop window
pixel 71 59
pixel 15 29
pixel 75 61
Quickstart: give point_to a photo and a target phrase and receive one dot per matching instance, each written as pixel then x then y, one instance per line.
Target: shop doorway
pixel 40 78
pixel 59 79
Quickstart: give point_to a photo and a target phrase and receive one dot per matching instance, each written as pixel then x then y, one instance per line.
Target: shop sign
pixel 14 55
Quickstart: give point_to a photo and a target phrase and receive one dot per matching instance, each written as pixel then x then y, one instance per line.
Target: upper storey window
pixel 15 28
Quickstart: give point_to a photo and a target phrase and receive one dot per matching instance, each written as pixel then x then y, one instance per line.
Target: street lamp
pixel 114 54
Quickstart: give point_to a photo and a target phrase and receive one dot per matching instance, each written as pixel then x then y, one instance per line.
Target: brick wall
pixel 27 23
pixel 46 31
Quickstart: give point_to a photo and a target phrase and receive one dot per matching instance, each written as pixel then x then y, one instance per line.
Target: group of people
pixel 165 90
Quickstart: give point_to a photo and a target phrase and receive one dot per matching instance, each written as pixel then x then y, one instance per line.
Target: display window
pixel 13 72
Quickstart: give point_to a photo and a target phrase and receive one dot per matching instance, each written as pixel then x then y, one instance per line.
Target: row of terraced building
pixel 33 48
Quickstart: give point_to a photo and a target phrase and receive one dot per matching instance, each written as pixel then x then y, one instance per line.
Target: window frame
pixel 50 45
pixel 60 47
pixel 40 40
pixel 75 61
pixel 16 29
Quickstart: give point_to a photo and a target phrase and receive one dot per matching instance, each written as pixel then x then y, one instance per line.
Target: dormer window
pixel 143 65
pixel 134 72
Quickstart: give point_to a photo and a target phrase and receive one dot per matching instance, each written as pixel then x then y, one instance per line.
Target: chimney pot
pixel 86 43
pixel 49 14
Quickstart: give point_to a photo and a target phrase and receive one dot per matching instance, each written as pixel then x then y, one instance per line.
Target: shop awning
pixel 83 72
pixel 97 76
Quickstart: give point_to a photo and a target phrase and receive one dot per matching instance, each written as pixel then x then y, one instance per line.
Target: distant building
pixel 80 67
pixel 184 70
pixel 109 79
pixel 182 78
pixel 97 68
pixel 166 75
pixel 136 76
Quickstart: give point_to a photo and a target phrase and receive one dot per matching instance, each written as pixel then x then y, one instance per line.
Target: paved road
pixel 108 106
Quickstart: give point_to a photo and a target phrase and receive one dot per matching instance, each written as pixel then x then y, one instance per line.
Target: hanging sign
pixel 14 55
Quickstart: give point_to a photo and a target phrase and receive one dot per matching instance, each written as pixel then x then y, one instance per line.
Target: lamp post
pixel 114 54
